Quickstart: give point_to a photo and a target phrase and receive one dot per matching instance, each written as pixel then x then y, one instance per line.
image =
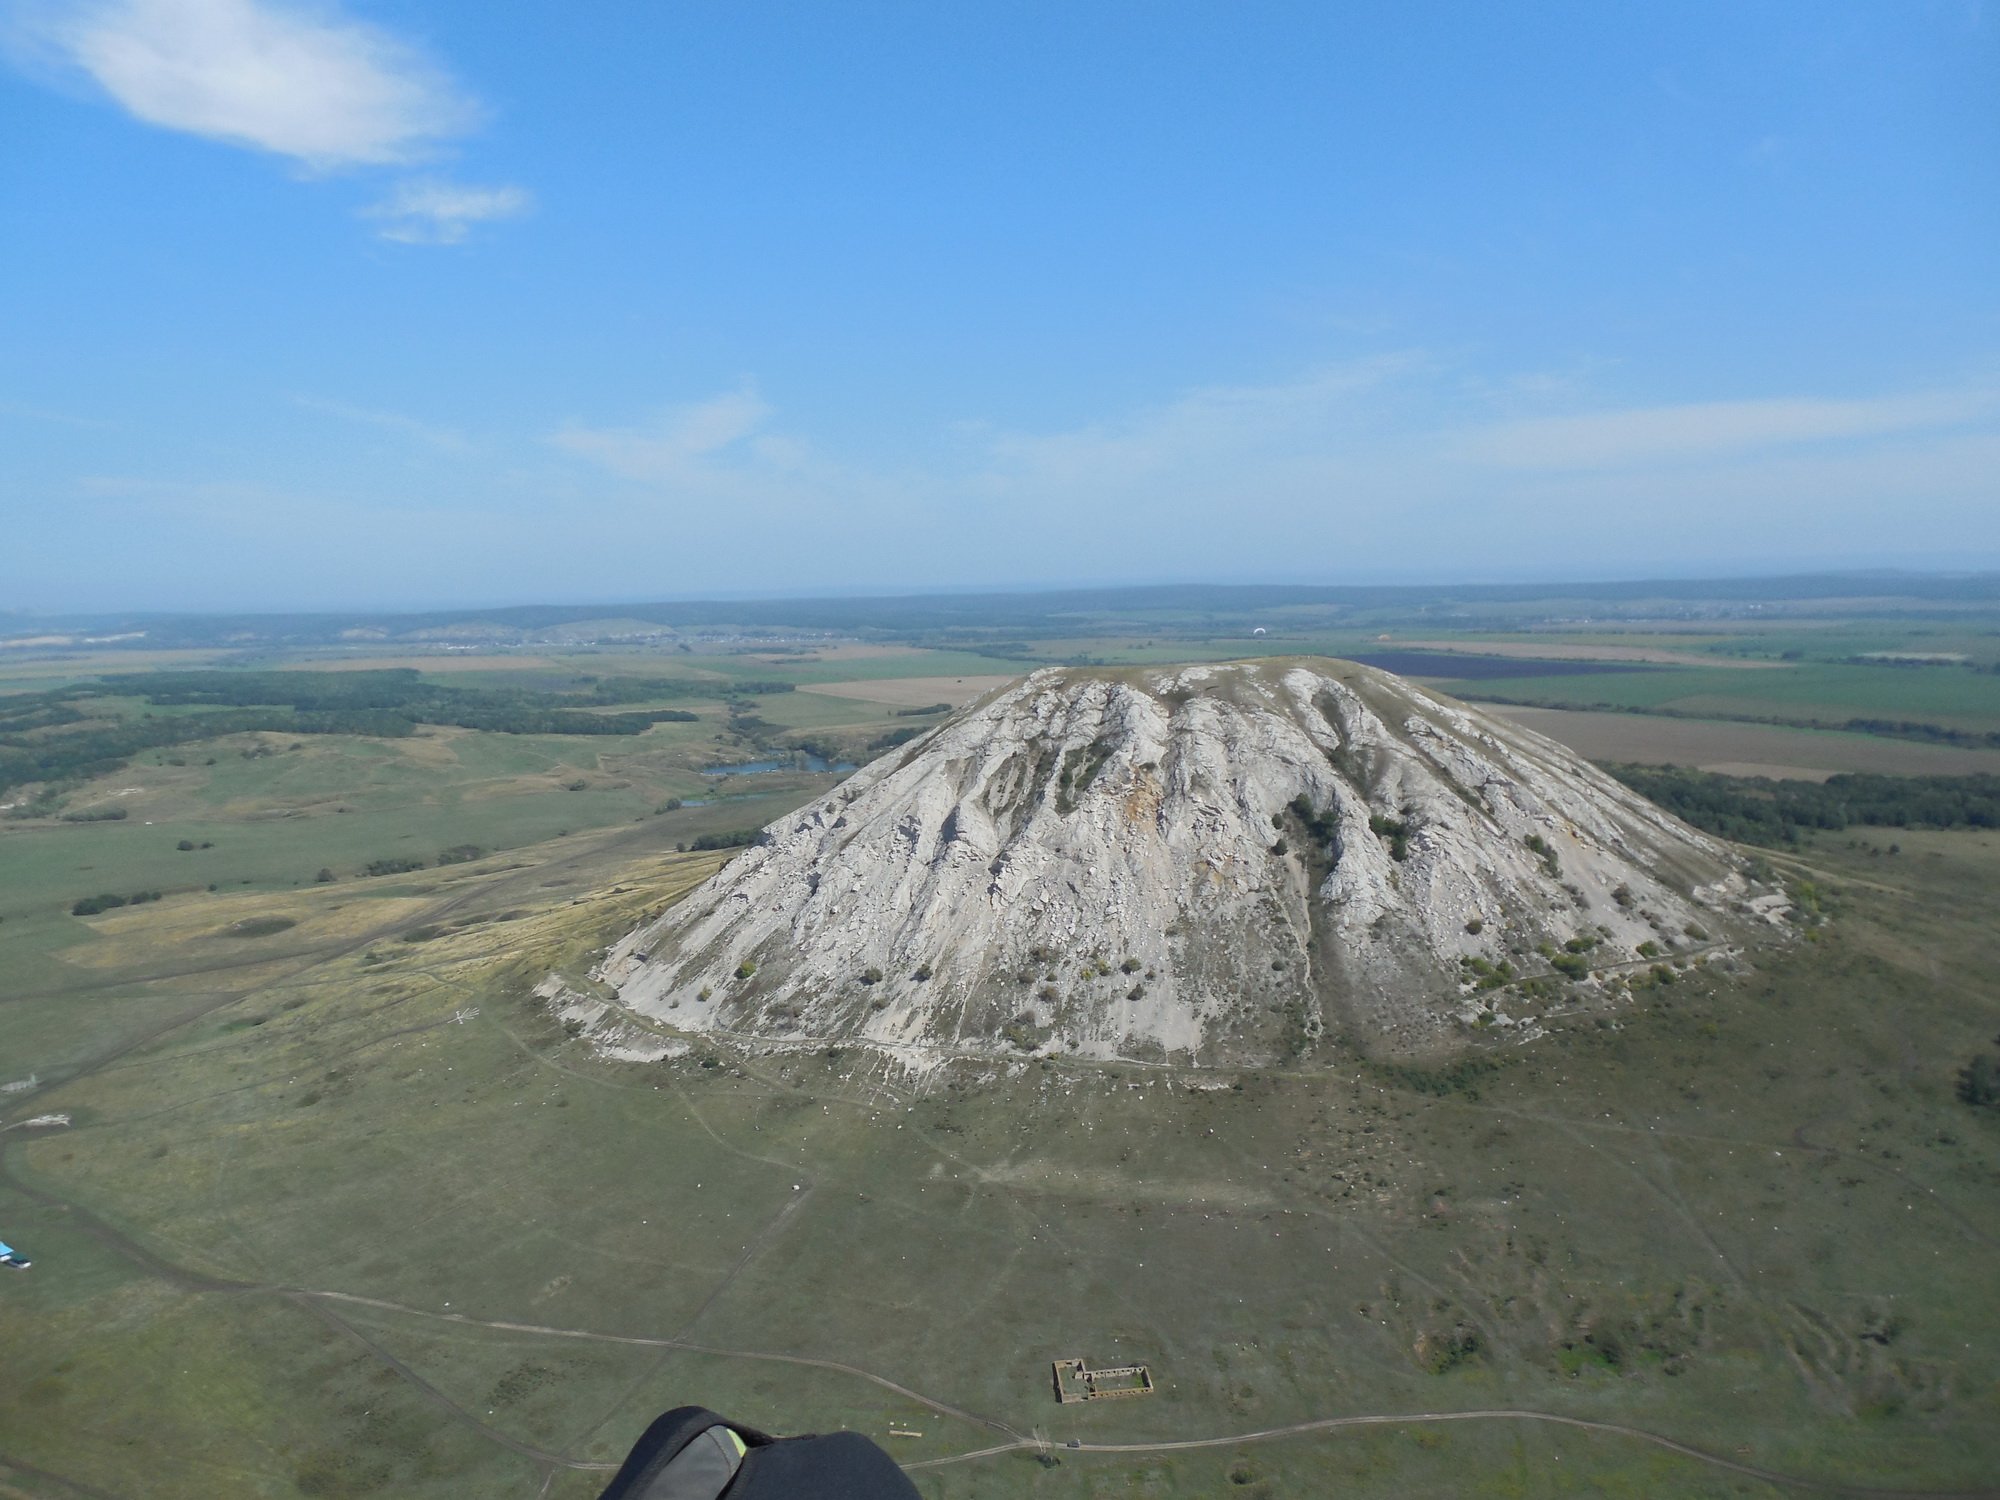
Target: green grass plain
pixel 342 1209
pixel 424 1241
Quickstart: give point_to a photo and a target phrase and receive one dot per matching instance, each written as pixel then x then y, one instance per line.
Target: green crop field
pixel 1759 749
pixel 1828 692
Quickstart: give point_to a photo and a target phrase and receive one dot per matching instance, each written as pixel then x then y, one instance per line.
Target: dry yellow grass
pixel 431 746
pixel 233 925
pixel 26 673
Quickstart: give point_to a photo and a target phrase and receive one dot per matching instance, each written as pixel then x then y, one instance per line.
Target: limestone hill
pixel 1231 864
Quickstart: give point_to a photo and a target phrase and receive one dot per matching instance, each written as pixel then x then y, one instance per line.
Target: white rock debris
pixel 610 1032
pixel 1213 865
pixel 39 1122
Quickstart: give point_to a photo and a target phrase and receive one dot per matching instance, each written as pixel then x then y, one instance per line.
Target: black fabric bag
pixel 690 1453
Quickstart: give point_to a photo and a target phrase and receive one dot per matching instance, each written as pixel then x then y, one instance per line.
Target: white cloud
pixel 1357 470
pixel 677 444
pixel 430 212
pixel 444 439
pixel 307 83
pixel 1655 435
pixel 1389 464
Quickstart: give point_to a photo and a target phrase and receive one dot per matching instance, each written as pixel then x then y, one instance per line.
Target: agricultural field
pixel 1739 749
pixel 1825 693
pixel 323 1200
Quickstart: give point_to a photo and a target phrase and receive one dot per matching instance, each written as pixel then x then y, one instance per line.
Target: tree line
pixel 401 693
pixel 1756 810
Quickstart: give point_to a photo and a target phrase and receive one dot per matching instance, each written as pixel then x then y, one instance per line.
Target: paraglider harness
pixel 690 1453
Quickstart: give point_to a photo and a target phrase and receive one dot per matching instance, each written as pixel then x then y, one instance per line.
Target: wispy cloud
pixel 1699 431
pixel 1392 467
pixel 676 443
pixel 430 212
pixel 444 439
pixel 1207 425
pixel 1395 462
pixel 1191 438
pixel 314 85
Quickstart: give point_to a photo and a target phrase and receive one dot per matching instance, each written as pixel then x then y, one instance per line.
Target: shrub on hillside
pixel 1979 1081
pixel 90 906
pixel 732 840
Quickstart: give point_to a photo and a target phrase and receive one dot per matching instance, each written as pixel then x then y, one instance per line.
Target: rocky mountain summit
pixel 1228 864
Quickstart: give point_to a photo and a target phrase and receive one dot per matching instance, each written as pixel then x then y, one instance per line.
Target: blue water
pixel 796 762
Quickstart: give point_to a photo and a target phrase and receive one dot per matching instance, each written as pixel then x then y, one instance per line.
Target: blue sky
pixel 418 302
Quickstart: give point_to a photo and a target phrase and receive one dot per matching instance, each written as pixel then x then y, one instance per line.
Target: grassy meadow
pixel 341 1208
pixel 365 1217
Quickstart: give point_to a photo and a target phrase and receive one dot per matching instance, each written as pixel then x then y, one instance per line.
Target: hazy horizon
pixel 1920 579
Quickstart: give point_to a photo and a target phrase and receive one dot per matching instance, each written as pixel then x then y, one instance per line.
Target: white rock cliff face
pixel 1211 865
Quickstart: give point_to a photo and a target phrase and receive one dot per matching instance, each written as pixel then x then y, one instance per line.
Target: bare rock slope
pixel 1224 864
